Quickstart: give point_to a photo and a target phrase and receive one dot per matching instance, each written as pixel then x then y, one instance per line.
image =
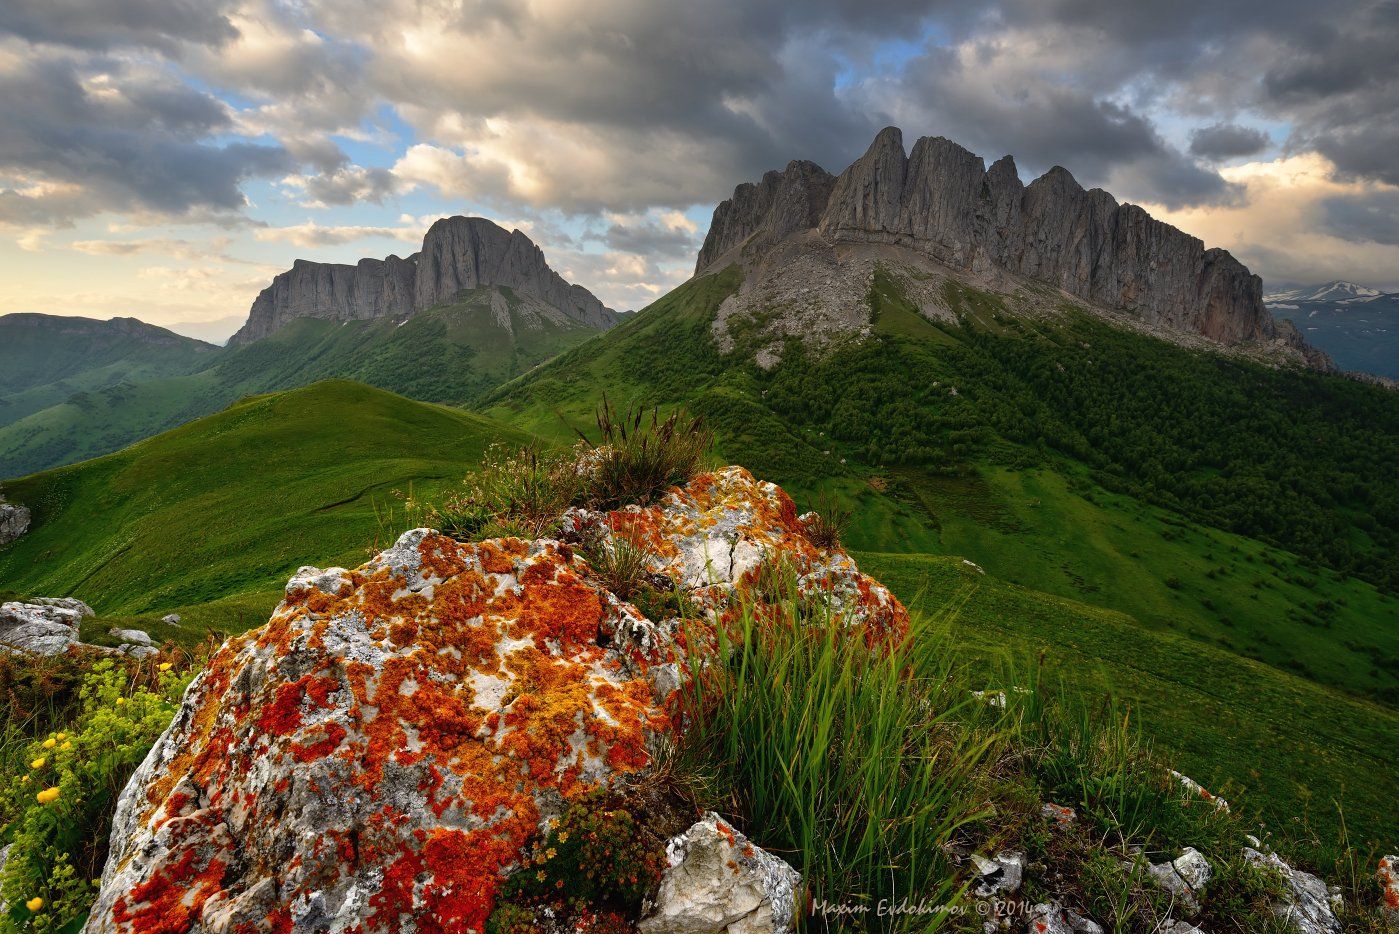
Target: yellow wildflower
pixel 50 743
pixel 34 904
pixel 61 737
pixel 164 666
pixel 563 836
pixel 66 745
pixel 121 701
pixel 47 796
pixel 550 853
pixel 38 763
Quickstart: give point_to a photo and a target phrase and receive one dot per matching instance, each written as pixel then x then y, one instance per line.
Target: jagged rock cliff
pixel 940 201
pixel 458 253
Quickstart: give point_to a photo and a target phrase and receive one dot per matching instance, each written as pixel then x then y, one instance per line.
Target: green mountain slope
pixel 1218 498
pixel 44 359
pixel 452 353
pixel 233 503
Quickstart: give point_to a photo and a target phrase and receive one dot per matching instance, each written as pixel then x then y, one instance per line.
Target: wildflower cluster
pixel 58 793
pixel 595 855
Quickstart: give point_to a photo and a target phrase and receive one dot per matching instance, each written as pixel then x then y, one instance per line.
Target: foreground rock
pixel 1310 905
pixel 717 881
pixel 380 755
pixel 14 522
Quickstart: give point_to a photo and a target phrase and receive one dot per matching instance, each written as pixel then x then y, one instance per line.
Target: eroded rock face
pixel 718 882
pixel 458 253
pixel 14 522
pixel 940 201
pixel 377 755
pixel 1311 905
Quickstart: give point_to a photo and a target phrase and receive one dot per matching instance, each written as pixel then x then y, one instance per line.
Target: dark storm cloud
pixel 649 238
pixel 1222 141
pixel 1373 217
pixel 111 23
pixel 105 139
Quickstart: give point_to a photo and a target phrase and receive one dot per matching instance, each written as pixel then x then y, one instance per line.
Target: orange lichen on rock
pixel 386 747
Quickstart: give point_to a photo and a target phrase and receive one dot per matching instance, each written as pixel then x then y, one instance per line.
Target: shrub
pixel 59 789
pixel 621 565
pixel 520 492
pixel 640 454
pixel 827 523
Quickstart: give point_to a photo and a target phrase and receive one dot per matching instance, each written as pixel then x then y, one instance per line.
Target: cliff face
pixel 458 253
pixel 940 200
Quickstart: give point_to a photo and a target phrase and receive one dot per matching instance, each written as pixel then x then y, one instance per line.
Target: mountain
pixel 1355 324
pixel 939 209
pixel 1338 291
pixel 458 254
pixel 44 359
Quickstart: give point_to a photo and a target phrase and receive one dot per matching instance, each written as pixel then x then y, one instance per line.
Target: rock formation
pixel 940 201
pixel 458 253
pixel 44 626
pixel 378 756
pixel 14 522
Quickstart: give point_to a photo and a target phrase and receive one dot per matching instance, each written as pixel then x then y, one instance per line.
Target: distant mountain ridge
pixel 941 202
pixel 1336 291
pixel 458 254
pixel 1357 325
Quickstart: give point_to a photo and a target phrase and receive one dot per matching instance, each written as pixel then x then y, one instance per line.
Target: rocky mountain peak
pixel 940 202
pixel 458 253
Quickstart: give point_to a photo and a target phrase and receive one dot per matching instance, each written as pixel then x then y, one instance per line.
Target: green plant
pixel 827 522
pixel 596 856
pixel 640 454
pixel 620 564
pixel 520 492
pixel 847 759
pixel 58 793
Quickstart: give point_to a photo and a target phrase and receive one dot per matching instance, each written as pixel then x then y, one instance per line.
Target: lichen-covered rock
pixel 14 522
pixel 1310 906
pixel 1388 874
pixel 379 754
pixel 1000 875
pixel 39 628
pixel 1195 788
pixel 1184 877
pixel 1050 918
pixel 717 881
pixel 714 536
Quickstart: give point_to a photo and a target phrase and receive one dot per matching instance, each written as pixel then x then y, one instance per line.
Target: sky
pixel 164 159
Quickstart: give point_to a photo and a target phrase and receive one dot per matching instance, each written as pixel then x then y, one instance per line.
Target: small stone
pixel 1001 875
pixel 1184 877
pixel 717 881
pixel 171 619
pixel 1059 814
pixel 1199 790
pixel 135 636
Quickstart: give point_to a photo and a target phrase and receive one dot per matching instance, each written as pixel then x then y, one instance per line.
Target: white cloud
pixel 312 234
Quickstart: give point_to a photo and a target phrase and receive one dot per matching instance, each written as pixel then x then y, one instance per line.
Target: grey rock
pixel 942 202
pixel 37 628
pixel 1001 875
pixel 1049 918
pixel 458 253
pixel 1184 877
pixel 66 603
pixel 171 619
pixel 1388 875
pixel 134 636
pixel 717 881
pixel 136 650
pixel 14 522
pixel 1310 905
pixel 1180 927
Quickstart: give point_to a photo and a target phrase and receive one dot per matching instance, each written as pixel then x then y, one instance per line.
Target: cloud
pixel 162 24
pixel 312 234
pixel 100 135
pixel 1371 216
pixel 1221 141
pixel 1285 225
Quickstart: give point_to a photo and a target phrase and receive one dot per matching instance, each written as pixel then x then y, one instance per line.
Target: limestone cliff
pixel 458 253
pixel 940 201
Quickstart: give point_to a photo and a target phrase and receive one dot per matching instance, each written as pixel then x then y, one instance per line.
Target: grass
pixel 218 513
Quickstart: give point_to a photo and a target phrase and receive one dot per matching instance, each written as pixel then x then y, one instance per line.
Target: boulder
pixel 717 881
pixel 1310 905
pixel 14 522
pixel 38 628
pixel 66 603
pixel 134 636
pixel 171 619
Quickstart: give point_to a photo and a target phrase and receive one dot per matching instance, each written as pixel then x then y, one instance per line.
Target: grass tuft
pixel 640 454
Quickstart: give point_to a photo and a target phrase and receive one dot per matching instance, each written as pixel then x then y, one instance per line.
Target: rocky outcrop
pixel 941 201
pixel 46 626
pixel 14 522
pixel 1310 905
pixel 382 753
pixel 458 253
pixel 717 882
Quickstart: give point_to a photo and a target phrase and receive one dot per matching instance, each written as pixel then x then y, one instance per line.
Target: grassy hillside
pixel 45 359
pixel 1274 744
pixel 1073 458
pixel 452 353
pixel 229 505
